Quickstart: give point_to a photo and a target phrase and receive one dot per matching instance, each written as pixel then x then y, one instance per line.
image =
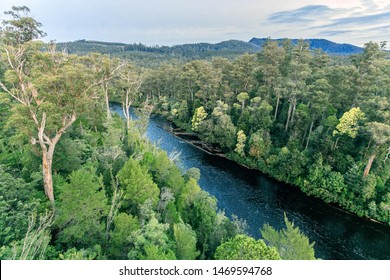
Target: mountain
pixel 229 49
pixel 327 46
pixel 198 50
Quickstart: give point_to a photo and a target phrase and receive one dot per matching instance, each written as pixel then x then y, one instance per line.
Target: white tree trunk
pixel 369 164
pixel 276 108
pixel 308 137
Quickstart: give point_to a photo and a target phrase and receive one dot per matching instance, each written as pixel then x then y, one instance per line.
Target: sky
pixel 172 22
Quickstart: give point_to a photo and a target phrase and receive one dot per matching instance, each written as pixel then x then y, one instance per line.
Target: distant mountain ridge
pixel 186 50
pixel 231 48
pixel 327 46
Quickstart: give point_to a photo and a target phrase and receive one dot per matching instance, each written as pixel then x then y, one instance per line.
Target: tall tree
pixel 130 82
pixel 271 59
pixel 52 89
pixel 82 206
pixel 297 78
pixel 137 185
pixel 185 239
pixel 21 28
pixel 349 124
pixel 290 243
pixel 106 68
pixel 380 135
pixel 241 74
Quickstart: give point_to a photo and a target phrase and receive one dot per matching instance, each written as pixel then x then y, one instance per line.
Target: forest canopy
pixel 79 182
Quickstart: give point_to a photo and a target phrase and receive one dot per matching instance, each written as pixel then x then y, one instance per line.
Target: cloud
pixel 334 32
pixel 360 20
pixel 369 4
pixel 305 14
pixel 382 28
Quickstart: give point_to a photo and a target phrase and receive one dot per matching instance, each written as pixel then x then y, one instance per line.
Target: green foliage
pixel 241 141
pixel 187 196
pixel 202 216
pixel 17 200
pixel 137 185
pixel 192 173
pixel 259 144
pixel 70 155
pixel 81 208
pixel 380 132
pixel 242 97
pixel 277 110
pixel 260 118
pixel 152 56
pixel 349 123
pixel 185 239
pixel 153 252
pixel 94 253
pixel 287 100
pixel 325 183
pixel 165 172
pixel 21 28
pixel 220 128
pixel 151 242
pixel 124 226
pixel 224 229
pixel 199 116
pixel 243 247
pixel 290 243
pixel 34 244
pixel 288 164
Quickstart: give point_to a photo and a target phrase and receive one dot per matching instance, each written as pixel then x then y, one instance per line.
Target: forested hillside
pixel 327 46
pixel 143 55
pixel 318 123
pixel 77 182
pixel 148 55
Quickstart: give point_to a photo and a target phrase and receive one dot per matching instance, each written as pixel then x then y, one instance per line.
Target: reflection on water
pixel 259 199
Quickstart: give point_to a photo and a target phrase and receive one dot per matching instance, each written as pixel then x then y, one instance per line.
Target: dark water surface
pixel 259 199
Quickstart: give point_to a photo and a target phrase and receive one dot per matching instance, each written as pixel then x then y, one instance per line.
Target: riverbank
pixel 259 199
pixel 181 133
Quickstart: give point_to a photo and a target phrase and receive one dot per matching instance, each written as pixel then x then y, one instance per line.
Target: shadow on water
pixel 259 199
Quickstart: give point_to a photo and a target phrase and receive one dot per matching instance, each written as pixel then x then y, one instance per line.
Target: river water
pixel 259 199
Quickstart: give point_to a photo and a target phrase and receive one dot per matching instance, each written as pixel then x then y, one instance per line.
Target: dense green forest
pixel 77 182
pixel 312 121
pixel 150 56
pixel 329 47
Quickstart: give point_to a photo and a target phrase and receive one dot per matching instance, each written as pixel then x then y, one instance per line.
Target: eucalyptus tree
pixel 241 77
pixel 318 98
pixel 297 78
pixel 242 97
pixel 219 128
pixel 50 89
pixel 380 138
pixel 373 83
pixel 106 69
pixel 20 28
pixel 130 83
pixel 271 59
pixel 202 82
pixel 349 124
pixel 373 70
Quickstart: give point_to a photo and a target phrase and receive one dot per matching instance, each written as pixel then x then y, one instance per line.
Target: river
pixel 259 199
